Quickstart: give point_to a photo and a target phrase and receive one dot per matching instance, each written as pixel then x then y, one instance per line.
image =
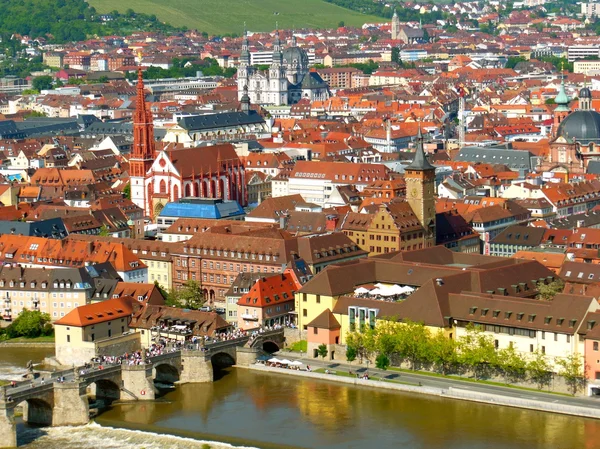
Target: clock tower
pixel 420 187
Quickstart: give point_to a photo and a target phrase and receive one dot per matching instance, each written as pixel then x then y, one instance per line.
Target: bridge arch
pixel 220 361
pixel 270 346
pixel 165 373
pixel 36 411
pixel 104 390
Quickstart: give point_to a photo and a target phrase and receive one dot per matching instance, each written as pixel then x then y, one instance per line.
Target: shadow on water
pixel 27 433
pixel 221 373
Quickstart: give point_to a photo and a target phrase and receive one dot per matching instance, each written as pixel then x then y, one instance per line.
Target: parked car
pixel 220 310
pixel 204 309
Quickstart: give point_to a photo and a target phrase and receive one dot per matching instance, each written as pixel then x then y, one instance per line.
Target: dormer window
pixel 496 313
pixel 547 320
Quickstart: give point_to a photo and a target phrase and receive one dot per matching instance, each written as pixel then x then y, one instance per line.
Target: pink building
pixel 324 329
pixel 592 352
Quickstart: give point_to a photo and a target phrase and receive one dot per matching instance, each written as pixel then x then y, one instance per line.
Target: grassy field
pixel 228 16
pixel 44 339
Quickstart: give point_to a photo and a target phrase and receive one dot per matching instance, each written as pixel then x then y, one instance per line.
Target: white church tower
pixel 277 78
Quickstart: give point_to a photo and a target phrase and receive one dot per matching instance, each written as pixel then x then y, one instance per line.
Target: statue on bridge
pixel 29 374
pixel 76 375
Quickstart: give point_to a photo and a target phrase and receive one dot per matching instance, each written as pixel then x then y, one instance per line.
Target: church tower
pixel 420 187
pixel 395 26
pixel 142 155
pixel 585 99
pixel 277 78
pixel 244 67
pixel 562 110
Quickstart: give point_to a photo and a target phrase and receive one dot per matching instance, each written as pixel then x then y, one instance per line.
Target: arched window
pixel 162 186
pixel 175 193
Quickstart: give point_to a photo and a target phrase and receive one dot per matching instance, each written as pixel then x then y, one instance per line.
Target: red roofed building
pixel 269 301
pixel 78 333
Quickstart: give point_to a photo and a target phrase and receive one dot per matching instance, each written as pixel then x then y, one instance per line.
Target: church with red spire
pixel 160 177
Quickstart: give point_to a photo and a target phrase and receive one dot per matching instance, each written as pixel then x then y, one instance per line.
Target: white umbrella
pixel 296 363
pixel 375 291
pixel 274 360
pixel 285 362
pixel 361 290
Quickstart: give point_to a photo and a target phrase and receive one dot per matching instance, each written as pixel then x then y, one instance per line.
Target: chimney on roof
pixel 439 281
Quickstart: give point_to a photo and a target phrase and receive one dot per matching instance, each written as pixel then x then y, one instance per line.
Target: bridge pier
pixel 8 429
pixel 196 367
pixel 137 383
pixel 71 407
pixel 246 356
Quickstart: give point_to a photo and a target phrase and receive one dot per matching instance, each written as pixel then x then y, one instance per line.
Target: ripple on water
pixel 95 436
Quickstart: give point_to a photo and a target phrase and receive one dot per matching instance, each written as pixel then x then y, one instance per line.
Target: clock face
pixel 413 193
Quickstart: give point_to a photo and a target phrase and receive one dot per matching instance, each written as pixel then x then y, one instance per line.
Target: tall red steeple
pixel 142 155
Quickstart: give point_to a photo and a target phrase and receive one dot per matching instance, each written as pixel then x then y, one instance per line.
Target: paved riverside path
pixel 444 383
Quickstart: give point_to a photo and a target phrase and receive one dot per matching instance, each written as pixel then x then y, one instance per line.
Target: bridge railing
pixel 17 395
pixel 165 356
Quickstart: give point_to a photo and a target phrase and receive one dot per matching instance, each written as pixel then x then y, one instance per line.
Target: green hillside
pixel 228 16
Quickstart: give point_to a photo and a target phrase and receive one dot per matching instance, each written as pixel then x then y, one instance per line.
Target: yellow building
pixel 358 294
pixel 392 227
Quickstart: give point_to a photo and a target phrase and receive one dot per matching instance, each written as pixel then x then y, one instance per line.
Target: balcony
pixel 248 317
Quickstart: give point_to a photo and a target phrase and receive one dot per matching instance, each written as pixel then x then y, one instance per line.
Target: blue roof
pixel 207 209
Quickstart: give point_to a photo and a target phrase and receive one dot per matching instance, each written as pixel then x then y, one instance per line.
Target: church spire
pixel 420 161
pixel 562 100
pixel 142 154
pixel 245 54
pixel 277 54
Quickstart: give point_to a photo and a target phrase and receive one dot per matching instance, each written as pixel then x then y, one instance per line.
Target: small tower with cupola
pixel 419 177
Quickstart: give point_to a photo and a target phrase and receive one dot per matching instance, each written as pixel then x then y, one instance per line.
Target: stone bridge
pixel 51 402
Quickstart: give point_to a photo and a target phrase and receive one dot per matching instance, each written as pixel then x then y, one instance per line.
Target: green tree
pixel 442 352
pixel 512 365
pixel 477 351
pixel 396 55
pixel 189 296
pixel 104 231
pixel 322 351
pixel 30 324
pixel 412 344
pixel 382 362
pixel 539 370
pixel 361 342
pixel 549 101
pixel 549 291
pixel 127 191
pixel 341 24
pixel 350 353
pixel 42 83
pixel 512 61
pixel 572 369
pixel 161 289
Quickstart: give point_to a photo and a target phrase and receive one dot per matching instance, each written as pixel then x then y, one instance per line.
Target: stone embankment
pixel 451 393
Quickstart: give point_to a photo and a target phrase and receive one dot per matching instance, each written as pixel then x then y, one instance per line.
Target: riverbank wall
pixel 26 344
pixel 450 393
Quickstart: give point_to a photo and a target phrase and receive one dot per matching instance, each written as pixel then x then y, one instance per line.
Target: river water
pixel 268 411
pixel 13 360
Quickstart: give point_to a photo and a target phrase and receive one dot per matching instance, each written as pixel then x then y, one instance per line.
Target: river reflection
pixel 276 411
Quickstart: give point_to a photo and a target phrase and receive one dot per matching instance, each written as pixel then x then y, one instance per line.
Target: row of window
pixel 228 253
